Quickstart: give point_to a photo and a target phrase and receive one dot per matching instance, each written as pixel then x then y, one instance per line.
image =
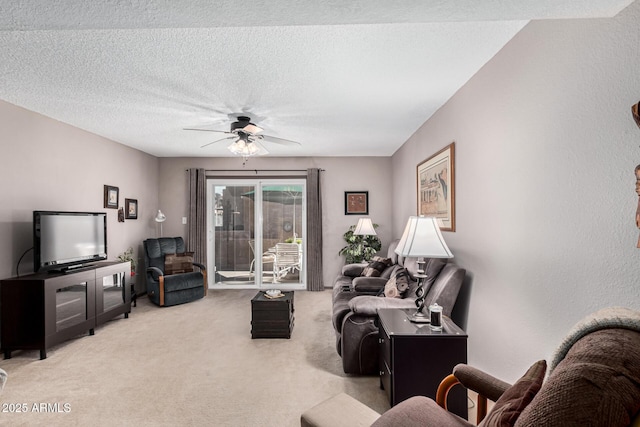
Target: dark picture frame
pixel 436 195
pixel 356 203
pixel 131 208
pixel 111 197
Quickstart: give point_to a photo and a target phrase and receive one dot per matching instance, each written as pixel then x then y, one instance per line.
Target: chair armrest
pixel 442 395
pixel 480 382
pixel 369 305
pixel 200 266
pixel 353 270
pixel 487 386
pixel 369 285
pixel 156 270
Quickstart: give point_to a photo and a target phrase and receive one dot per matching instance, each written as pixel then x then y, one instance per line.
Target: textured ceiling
pixel 341 77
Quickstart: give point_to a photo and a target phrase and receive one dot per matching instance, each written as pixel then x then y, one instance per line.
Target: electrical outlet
pixel 184 220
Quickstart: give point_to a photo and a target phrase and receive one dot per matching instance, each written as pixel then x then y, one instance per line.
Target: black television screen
pixel 67 239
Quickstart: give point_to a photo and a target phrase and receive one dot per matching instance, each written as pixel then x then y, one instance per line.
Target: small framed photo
pixel 111 197
pixel 131 208
pixel 356 203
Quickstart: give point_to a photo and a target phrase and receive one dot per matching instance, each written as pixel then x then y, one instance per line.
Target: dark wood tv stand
pixel 44 309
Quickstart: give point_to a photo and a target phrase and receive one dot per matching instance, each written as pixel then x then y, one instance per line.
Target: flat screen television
pixel 67 240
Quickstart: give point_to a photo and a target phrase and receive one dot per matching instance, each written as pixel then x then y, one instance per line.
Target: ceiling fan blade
pixel 218 140
pixel 277 140
pixel 206 130
pixel 261 150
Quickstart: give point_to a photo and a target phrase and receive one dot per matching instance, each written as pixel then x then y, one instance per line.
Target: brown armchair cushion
pixel 178 263
pixel 509 406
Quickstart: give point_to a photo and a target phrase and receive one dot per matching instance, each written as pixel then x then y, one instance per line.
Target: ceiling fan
pixel 248 138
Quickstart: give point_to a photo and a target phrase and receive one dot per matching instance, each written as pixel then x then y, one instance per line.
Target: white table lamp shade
pixel 364 228
pixel 422 238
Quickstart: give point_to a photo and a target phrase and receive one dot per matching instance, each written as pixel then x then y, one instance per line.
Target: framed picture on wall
pixel 131 208
pixel 436 187
pixel 111 197
pixel 356 203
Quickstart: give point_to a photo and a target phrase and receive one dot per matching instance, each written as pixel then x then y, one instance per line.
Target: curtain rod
pixel 255 170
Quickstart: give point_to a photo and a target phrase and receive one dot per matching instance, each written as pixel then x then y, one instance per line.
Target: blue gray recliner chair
pixel 172 289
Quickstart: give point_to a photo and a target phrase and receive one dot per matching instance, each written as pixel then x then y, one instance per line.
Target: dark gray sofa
pixel 356 303
pixel 167 290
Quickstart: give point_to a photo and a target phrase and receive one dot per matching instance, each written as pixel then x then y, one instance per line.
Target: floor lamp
pixel 160 218
pixel 422 239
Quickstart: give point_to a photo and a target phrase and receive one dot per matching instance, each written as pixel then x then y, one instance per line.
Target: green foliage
pixel 359 248
pixel 128 256
pixel 290 240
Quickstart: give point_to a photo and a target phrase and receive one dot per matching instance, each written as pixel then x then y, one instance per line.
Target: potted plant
pixel 128 256
pixel 359 248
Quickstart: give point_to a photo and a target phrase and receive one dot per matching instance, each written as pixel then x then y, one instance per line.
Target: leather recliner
pixel 356 303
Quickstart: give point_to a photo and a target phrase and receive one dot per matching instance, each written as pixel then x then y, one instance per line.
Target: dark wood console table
pixel 44 309
pixel 414 359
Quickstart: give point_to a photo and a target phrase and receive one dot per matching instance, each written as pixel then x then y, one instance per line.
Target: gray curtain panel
pixel 197 234
pixel 314 232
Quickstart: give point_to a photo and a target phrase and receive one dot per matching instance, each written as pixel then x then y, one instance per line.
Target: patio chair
pixel 267 257
pixel 288 258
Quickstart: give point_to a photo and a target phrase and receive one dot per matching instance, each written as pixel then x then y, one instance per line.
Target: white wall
pixel 545 201
pixel 49 165
pixel 372 174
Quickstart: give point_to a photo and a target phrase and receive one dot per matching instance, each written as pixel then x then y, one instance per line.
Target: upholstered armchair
pixel 171 278
pixel 593 380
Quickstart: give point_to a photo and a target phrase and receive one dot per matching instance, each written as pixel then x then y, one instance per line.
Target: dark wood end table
pixel 414 359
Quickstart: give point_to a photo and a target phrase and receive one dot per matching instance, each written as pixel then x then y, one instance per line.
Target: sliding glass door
pixel 256 233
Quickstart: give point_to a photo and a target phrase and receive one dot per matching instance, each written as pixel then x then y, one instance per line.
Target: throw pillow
pixel 376 266
pixel 178 263
pixel 397 286
pixel 508 407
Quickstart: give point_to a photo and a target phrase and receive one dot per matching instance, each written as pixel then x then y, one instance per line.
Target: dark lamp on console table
pixel 422 239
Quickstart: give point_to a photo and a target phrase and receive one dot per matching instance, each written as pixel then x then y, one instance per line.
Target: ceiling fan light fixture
pixel 246 148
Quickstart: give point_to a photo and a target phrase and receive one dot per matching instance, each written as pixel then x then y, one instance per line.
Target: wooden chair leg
pixel 482 408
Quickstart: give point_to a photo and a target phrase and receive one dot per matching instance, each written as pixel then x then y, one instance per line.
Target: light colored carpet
pixel 190 365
